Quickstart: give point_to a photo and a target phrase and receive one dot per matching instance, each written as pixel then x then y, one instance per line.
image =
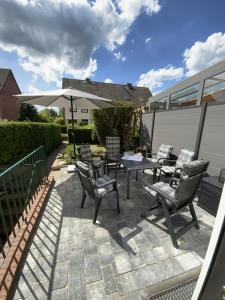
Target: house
pixel 9 108
pixel 115 92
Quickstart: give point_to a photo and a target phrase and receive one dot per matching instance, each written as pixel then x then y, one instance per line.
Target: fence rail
pixel 19 185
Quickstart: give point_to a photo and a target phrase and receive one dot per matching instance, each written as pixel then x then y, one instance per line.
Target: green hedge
pixel 83 134
pixel 20 138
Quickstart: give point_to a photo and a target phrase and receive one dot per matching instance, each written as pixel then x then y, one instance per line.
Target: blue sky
pixel 146 42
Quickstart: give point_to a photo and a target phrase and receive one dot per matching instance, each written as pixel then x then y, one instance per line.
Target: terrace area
pixel 71 258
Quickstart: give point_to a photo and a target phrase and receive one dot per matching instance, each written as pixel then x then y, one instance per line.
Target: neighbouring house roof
pixel 116 92
pixel 4 73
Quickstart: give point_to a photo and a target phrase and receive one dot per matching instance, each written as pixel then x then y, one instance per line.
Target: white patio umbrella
pixel 65 98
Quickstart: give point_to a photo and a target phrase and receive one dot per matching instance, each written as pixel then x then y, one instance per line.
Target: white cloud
pixel 132 41
pixel 155 78
pixel 204 54
pixel 108 80
pixel 148 40
pixel 119 56
pixel 54 37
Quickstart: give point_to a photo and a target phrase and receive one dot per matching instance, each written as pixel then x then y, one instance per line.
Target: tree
pixel 47 115
pixel 28 112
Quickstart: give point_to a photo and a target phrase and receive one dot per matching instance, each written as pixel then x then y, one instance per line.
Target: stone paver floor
pixel 70 258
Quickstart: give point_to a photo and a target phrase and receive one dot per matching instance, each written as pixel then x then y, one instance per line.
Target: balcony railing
pixel 19 186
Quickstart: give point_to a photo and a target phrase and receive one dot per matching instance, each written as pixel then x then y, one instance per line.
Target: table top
pixel 136 165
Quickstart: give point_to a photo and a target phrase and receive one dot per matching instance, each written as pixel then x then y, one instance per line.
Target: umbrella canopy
pixel 63 97
pixel 66 98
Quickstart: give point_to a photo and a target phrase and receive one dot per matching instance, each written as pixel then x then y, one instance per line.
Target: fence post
pixel 152 129
pixel 200 129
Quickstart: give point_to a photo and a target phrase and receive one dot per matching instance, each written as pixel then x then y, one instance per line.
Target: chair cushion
pixel 85 152
pixel 102 191
pixel 98 163
pixel 184 157
pixel 168 169
pixel 164 151
pixel 164 187
pixel 152 159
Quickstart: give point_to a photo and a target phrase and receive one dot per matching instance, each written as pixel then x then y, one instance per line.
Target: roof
pixel 4 73
pixel 116 92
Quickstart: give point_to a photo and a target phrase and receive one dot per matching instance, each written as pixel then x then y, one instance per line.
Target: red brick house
pixel 9 108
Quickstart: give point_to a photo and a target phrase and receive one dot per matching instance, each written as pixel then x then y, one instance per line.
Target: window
pixel 70 121
pixel 185 97
pixel 214 89
pixel 84 110
pixel 74 109
pixel 159 104
pixel 84 121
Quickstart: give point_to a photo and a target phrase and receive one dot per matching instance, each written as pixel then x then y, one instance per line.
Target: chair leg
pixel 159 175
pixel 97 205
pixel 83 199
pixel 137 175
pixel 193 214
pixel 170 225
pixel 117 201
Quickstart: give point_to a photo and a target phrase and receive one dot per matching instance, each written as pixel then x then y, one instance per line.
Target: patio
pixel 70 258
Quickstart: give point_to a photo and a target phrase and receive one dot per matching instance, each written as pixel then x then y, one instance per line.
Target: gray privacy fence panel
pixel 213 139
pixel 146 127
pixel 177 128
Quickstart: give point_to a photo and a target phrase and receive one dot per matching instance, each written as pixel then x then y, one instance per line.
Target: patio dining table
pixel 133 165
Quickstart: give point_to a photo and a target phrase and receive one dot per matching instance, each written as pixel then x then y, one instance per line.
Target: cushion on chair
pixel 85 152
pixel 184 157
pixel 154 160
pixel 102 191
pixel 164 187
pixel 168 169
pixel 164 151
pixel 98 163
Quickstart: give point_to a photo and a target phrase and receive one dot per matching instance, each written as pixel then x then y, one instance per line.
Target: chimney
pixel 130 85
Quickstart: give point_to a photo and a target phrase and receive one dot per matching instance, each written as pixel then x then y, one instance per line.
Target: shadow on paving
pixel 70 258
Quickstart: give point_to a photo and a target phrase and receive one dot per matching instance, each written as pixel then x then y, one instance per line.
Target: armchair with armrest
pixel 171 200
pixel 185 156
pixel 162 155
pixel 98 188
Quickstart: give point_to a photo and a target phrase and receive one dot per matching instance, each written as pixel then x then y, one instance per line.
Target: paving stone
pixel 89 230
pixel 76 241
pixel 75 227
pixel 90 247
pixel 147 276
pixel 92 269
pixel 101 236
pixel 132 296
pixel 60 275
pixel 40 290
pixel 160 253
pixel 60 294
pixel 63 253
pixel 148 254
pixel 76 288
pixel 109 280
pixel 170 268
pixel 76 262
pixel 114 296
pixel 122 262
pixel 126 283
pixel 137 260
pixel 105 254
pixel 95 291
pixel 187 261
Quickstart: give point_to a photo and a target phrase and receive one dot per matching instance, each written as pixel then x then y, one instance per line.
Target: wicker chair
pixel 86 157
pixel 96 188
pixel 185 156
pixel 171 200
pixel 112 150
pixel 162 155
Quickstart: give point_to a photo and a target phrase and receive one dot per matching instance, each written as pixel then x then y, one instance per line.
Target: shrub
pixel 63 129
pixel 20 138
pixel 83 134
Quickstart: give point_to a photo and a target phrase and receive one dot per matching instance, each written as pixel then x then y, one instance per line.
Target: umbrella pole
pixel 74 146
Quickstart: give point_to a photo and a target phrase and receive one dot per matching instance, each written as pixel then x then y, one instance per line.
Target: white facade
pixel 80 115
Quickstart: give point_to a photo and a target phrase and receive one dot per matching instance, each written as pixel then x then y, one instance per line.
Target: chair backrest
pixel 185 156
pixel 86 177
pixel 164 151
pixel 189 182
pixel 85 152
pixel 112 145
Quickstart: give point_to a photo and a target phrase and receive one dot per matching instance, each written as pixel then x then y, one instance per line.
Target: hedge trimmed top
pixel 20 138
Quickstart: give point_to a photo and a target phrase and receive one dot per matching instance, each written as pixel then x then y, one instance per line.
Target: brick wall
pixel 9 108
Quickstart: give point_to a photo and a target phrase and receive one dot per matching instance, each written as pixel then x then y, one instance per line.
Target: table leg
pixel 128 183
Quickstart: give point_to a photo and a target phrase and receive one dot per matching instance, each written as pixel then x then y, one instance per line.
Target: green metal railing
pixel 19 185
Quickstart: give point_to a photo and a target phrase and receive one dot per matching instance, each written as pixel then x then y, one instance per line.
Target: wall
pixel 10 109
pixel 179 128
pixel 77 115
